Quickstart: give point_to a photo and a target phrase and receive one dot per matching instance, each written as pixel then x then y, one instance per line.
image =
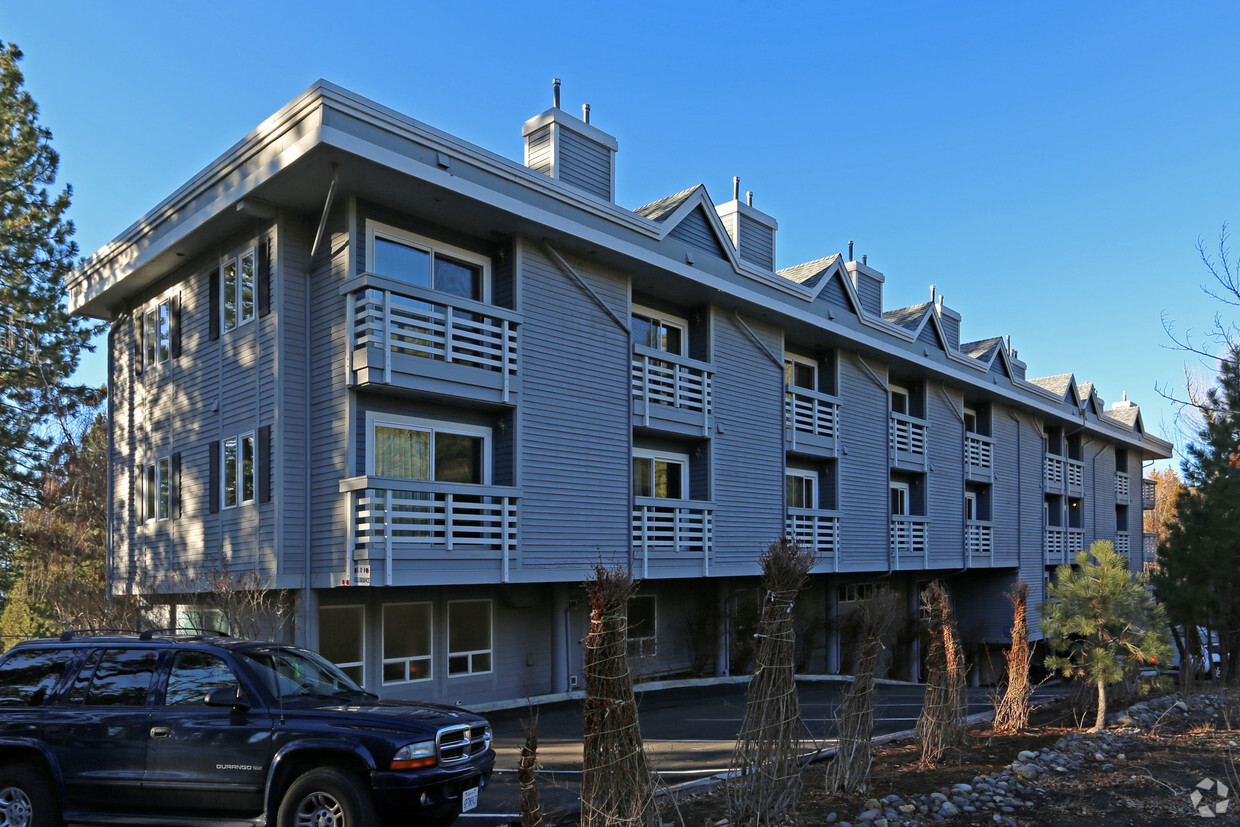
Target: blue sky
pixel 1049 167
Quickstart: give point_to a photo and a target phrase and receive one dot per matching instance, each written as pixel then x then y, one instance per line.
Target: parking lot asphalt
pixel 689 733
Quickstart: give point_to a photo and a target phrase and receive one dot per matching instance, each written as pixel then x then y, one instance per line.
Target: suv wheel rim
pixel 316 810
pixel 15 808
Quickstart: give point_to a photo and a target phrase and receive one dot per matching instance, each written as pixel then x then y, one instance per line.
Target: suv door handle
pixel 161 731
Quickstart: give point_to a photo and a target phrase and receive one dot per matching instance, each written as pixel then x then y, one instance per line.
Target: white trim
pixel 429 657
pixel 241 500
pixel 805 361
pixel 894 388
pixel 490 652
pixel 236 258
pixel 431 426
pixel 903 488
pixel 671 459
pixel 970 498
pixel 811 477
pixel 430 246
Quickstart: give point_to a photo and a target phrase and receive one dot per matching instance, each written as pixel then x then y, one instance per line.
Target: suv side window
pixel 115 677
pixel 28 675
pixel 194 675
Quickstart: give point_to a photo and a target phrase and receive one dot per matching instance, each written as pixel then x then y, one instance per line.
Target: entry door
pixel 206 759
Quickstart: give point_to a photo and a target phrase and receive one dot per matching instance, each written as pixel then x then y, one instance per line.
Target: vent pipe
pixel 585 112
pixel 736 188
pixel 749 198
pixel 863 258
pixel 932 294
pixel 850 254
pixel 555 93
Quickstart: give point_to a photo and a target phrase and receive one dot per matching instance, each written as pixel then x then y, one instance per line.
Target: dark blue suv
pixel 163 729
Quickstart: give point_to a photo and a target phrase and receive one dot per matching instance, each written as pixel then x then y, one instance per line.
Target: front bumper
pixel 434 793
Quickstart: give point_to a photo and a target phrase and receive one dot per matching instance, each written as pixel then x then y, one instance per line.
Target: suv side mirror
pixel 231 696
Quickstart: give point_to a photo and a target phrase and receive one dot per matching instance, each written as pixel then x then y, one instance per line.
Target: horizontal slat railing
pixel 979 538
pixel 908 434
pixel 1121 488
pixel 1062 544
pixel 979 451
pixel 1149 547
pixel 810 412
pixel 1149 488
pixel 671 525
pixel 908 537
pixel 815 529
pixel 403 319
pixel 1054 472
pixel 1074 474
pixel 1121 543
pixel 666 379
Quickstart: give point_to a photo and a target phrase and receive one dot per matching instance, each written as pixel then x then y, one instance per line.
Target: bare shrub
pixel 849 771
pixel 942 720
pixel 617 785
pixel 766 772
pixel 527 778
pixel 1012 710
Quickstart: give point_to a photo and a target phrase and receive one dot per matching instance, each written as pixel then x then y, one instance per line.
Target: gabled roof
pixel 1059 385
pixel 664 207
pixel 1129 415
pixel 909 318
pixel 811 272
pixel 983 350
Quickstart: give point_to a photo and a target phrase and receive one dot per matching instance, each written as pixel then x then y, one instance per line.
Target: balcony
pixel 811 421
pixel 404 336
pixel 1064 476
pixel 671 392
pixel 1062 544
pixel 908 441
pixel 1148 489
pixel 402 525
pixel 817 530
pixel 908 541
pixel 978 540
pixel 1122 547
pixel 979 455
pixel 1149 547
pixel 672 529
pixel 1121 488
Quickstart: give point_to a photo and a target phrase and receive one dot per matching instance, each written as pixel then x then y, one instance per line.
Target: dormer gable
pixel 827 280
pixel 690 217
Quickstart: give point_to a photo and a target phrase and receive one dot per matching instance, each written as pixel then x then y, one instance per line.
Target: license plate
pixel 469 799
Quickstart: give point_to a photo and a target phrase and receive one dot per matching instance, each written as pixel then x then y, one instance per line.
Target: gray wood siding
pixel 757 244
pixel 696 231
pixel 864 469
pixel 833 293
pixel 929 336
pixel 951 330
pixel 870 294
pixel 747 447
pixel 584 164
pixel 1009 495
pixel 330 511
pixel 945 480
pixel 576 420
pixel 1099 501
pixel 292 437
pixel 538 150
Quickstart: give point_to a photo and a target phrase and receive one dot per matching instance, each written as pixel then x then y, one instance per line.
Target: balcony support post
pixel 387 337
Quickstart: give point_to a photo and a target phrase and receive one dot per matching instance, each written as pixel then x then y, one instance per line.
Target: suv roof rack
pixel 70 634
pixel 176 630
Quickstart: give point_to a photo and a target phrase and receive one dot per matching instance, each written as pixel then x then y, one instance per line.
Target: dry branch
pixel 942 720
pixel 1012 710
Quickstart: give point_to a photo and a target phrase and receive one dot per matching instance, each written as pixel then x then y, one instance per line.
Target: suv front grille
pixel 455 744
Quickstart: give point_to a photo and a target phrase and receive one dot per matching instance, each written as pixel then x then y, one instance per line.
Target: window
pixel 406 642
pixel 195 619
pixel 469 637
pixel 157 490
pixel 970 420
pixel 194 675
pixel 899 399
pixel 117 677
pixel 411 449
pixel 853 592
pixel 240 470
pixel 800 373
pixel 662 476
pixel 237 275
pixel 660 332
pixel 970 506
pixel 342 638
pixel 643 628
pixel 1121 460
pixel 425 263
pixel 800 487
pixel 157 332
pixel 899 499
pixel 29 675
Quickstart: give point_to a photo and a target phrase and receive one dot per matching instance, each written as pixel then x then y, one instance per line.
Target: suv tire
pixel 26 799
pixel 325 797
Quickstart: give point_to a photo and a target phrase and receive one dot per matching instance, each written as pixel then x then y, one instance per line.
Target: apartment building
pixel 421 389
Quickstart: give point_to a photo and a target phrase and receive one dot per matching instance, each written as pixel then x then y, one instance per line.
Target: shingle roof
pixel 809 273
pixel 983 350
pixel 908 317
pixel 1083 390
pixel 1055 384
pixel 661 209
pixel 1127 415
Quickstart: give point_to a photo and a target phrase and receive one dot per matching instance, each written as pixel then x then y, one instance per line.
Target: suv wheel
pixel 325 797
pixel 25 799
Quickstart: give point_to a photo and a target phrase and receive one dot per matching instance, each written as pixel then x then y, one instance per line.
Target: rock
pixel 1026 755
pixel 1027 773
pixel 831 817
pixel 872 804
pixel 962 788
pixel 869 815
pixel 1180 705
pixel 949 809
pixel 1122 757
pixel 1124 719
pixel 1098 756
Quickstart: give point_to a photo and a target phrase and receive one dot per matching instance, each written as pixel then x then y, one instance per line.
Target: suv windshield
pixel 296 673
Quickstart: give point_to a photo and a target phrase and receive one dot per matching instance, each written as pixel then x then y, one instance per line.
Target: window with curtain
pixel 412 453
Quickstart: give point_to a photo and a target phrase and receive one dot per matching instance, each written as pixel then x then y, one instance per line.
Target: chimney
pixel 571 149
pixel 751 230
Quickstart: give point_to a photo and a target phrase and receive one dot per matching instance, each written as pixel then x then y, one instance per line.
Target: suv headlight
pixel 414 756
pixel 486 743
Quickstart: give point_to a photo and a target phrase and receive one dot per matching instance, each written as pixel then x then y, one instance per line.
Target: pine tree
pixel 1198 574
pixel 1101 622
pixel 39 340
